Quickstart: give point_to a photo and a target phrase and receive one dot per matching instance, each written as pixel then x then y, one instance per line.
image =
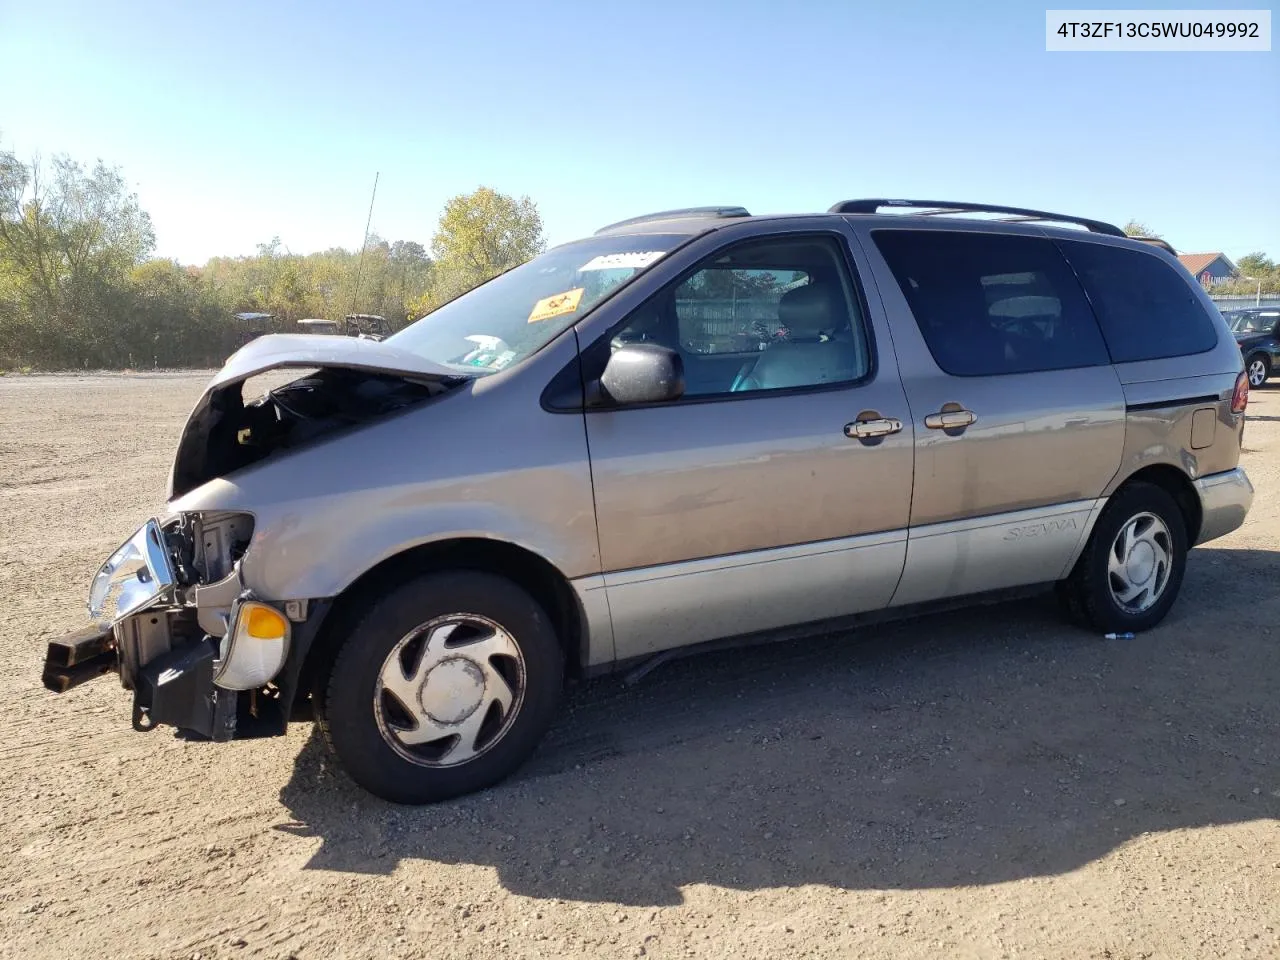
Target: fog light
pixel 255 647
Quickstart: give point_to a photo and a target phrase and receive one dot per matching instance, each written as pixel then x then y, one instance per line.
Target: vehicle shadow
pixel 959 749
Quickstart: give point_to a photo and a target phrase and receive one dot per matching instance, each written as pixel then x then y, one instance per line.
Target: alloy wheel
pixel 1257 372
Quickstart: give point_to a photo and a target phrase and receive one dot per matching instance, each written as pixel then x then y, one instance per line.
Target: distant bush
pixel 79 288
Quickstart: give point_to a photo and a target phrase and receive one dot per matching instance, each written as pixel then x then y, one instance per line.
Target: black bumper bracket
pixel 177 689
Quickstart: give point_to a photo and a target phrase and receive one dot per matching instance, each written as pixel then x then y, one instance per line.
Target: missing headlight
pixel 217 541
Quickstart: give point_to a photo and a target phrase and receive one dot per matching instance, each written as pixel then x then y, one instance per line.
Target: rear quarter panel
pixel 1159 428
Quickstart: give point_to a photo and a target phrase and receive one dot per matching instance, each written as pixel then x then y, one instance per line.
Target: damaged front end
pixel 200 648
pixel 174 619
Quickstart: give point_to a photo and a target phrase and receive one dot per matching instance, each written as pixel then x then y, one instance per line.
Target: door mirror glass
pixel 643 373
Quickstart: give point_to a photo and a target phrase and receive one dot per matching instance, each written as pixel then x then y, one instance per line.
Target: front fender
pixel 319 552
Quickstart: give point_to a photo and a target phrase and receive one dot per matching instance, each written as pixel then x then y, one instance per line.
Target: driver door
pixel 753 502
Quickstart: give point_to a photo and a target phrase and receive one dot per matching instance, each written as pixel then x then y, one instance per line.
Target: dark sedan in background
pixel 1258 333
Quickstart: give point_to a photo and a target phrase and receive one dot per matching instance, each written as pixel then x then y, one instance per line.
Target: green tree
pixel 1135 228
pixel 1256 264
pixel 69 238
pixel 481 235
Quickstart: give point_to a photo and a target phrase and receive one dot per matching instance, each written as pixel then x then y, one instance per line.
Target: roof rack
pixel 940 207
pixel 684 213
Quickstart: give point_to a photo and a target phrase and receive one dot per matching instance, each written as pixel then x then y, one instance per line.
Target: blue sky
pixel 239 121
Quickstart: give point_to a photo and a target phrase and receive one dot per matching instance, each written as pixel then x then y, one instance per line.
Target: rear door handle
pixel 870 429
pixel 950 419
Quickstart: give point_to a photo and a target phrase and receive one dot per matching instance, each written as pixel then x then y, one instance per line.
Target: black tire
pixel 1086 594
pixel 1266 369
pixel 350 723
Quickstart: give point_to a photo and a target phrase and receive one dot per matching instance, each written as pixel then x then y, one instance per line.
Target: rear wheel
pixel 1131 569
pixel 445 686
pixel 1258 367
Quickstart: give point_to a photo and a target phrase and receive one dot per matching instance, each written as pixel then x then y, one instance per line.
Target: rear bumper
pixel 1225 499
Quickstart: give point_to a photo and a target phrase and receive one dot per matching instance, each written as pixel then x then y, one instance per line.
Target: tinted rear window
pixel 1147 310
pixel 990 304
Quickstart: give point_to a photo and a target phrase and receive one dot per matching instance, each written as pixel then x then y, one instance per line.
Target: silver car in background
pixel 691 426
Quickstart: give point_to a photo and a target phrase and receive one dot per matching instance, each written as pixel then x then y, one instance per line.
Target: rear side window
pixel 1147 311
pixel 991 304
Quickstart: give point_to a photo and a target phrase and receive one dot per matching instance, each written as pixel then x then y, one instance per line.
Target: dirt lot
pixel 989 784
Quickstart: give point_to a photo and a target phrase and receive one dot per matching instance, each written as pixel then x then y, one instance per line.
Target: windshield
pixel 512 316
pixel 1254 322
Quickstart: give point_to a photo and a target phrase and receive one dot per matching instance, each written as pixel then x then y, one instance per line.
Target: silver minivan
pixel 690 427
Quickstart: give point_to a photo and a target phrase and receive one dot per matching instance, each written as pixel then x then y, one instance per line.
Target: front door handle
pixel 870 429
pixel 951 417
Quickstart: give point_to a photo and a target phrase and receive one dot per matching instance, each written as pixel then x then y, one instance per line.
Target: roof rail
pixel 953 206
pixel 1157 241
pixel 684 213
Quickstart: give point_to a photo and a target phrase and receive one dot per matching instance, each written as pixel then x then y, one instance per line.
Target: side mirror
pixel 643 373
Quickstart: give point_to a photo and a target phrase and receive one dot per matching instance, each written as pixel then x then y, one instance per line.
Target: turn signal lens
pixel 1240 398
pixel 264 623
pixel 255 647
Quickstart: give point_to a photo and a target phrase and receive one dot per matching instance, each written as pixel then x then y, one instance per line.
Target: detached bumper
pixel 1225 499
pixel 174 688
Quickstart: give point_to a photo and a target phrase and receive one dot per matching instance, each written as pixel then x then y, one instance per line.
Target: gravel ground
pixel 985 784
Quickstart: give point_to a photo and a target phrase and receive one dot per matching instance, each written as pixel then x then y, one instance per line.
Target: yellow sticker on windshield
pixel 556 306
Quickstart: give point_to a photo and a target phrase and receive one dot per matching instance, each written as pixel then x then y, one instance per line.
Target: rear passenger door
pixel 1019 416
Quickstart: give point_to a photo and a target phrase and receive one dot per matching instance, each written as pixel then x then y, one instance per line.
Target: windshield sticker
pixel 622 261
pixel 556 306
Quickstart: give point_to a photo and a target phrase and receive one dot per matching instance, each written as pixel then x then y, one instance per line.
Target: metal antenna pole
pixel 364 243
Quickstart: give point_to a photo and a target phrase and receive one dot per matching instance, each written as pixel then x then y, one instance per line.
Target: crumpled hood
pixel 278 350
pixel 211 445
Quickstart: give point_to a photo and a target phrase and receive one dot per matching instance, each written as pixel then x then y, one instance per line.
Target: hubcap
pixel 1257 373
pixel 452 691
pixel 1139 563
pixel 449 690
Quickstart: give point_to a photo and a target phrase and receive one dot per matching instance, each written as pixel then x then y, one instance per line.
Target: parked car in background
pixel 252 326
pixel 364 325
pixel 1257 332
pixel 317 325
pixel 367 325
pixel 552 476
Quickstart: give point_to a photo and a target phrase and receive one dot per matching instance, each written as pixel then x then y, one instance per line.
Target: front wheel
pixel 444 687
pixel 1258 367
pixel 1131 569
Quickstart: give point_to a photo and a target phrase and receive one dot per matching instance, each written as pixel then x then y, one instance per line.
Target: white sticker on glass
pixel 622 261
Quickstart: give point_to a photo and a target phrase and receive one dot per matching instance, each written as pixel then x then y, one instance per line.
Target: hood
pixel 358 381
pixel 280 350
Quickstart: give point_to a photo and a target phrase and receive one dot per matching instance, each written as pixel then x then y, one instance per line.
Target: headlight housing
pixel 134 577
pixel 254 648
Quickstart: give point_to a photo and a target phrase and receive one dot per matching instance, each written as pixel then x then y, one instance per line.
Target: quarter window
pixel 991 304
pixel 1147 311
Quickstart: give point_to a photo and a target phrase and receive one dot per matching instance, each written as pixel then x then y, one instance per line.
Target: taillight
pixel 1240 398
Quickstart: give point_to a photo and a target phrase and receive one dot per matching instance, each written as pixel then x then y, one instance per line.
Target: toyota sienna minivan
pixel 692 426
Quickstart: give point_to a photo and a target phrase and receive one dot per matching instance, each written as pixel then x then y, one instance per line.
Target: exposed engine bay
pixel 226 433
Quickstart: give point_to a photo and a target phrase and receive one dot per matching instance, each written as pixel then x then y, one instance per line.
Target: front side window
pixel 1147 311
pixel 765 314
pixel 990 304
pixel 514 315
